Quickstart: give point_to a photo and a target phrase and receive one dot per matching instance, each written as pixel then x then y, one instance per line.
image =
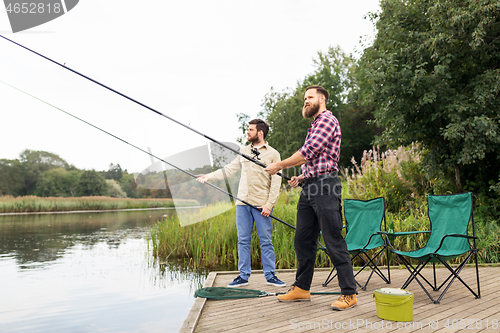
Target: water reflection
pixel 89 272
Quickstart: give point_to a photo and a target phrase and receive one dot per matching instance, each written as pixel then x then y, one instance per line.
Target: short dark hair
pixel 261 126
pixel 320 90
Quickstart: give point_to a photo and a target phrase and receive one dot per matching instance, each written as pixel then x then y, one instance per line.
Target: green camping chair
pixel 364 220
pixel 449 217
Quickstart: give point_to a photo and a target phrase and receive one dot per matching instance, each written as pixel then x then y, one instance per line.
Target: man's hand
pixel 295 181
pixel 201 178
pixel 294 160
pixel 265 211
pixel 273 168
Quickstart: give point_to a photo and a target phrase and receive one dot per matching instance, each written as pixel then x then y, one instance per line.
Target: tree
pixel 34 162
pixel 337 72
pixel 115 172
pixel 114 189
pixel 45 186
pixel 91 184
pixel 57 183
pixel 243 120
pixel 433 74
pixel 11 177
pixel 128 184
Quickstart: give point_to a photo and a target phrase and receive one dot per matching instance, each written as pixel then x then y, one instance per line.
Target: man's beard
pixel 253 139
pixel 310 111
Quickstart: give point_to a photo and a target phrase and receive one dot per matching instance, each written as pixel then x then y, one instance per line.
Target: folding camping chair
pixel 449 217
pixel 364 220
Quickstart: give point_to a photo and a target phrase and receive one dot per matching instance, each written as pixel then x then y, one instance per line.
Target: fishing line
pixel 147 107
pixel 145 151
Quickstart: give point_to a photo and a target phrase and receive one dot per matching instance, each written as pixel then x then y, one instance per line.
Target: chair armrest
pixel 403 233
pixel 387 235
pixel 453 235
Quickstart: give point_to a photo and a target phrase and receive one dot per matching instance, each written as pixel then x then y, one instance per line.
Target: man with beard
pixel 260 189
pixel 319 206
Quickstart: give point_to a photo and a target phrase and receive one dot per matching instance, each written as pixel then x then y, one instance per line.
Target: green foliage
pixel 129 186
pixel 34 163
pixel 11 177
pixel 400 177
pixel 433 74
pixel 395 175
pixel 57 183
pixel 288 129
pixel 91 183
pixel 45 187
pixel 337 72
pixel 114 189
pixel 243 120
pixel 114 172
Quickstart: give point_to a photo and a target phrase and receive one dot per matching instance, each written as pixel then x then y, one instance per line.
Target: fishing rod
pixel 147 152
pixel 147 107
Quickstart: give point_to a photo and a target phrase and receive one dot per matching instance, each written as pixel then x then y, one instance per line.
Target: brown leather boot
pixel 345 302
pixel 295 294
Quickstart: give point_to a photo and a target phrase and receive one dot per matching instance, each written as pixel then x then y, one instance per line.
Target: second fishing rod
pixel 145 106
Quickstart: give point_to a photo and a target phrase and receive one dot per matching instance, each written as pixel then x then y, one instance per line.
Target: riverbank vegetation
pixel 44 174
pixel 9 204
pixel 397 175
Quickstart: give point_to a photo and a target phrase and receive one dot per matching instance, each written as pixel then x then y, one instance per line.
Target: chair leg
pixel 477 275
pixel 374 268
pixel 413 276
pixel 455 273
pixel 414 271
pixel 435 282
pixel 329 278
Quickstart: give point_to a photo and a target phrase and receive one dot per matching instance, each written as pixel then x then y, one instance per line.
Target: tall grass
pixel 214 242
pixel 9 204
pixel 396 175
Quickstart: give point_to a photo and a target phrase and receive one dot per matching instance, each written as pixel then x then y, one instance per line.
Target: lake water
pixel 89 272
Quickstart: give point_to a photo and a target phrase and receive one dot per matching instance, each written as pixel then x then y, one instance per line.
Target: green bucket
pixel 394 304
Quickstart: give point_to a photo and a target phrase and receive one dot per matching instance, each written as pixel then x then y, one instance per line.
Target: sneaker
pixel 345 302
pixel 274 281
pixel 295 294
pixel 238 282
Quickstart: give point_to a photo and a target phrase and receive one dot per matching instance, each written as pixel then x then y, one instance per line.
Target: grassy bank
pixel 395 175
pixel 214 242
pixel 9 204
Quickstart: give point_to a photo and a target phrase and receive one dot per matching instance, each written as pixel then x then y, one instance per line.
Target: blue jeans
pixel 245 218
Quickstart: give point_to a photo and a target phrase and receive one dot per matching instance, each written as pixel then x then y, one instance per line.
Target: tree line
pixel 46 174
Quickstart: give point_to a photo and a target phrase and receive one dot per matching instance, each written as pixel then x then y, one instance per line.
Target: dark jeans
pixel 319 208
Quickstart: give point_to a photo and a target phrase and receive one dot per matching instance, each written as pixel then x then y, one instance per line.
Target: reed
pixel 214 242
pixel 9 204
pixel 396 175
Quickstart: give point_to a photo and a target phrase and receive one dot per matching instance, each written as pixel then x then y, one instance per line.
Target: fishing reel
pixel 255 152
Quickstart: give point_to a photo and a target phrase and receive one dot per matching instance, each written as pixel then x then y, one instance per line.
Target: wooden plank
pixel 193 317
pixel 267 314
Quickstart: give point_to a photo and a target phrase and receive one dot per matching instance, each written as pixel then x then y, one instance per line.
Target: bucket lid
pixel 393 291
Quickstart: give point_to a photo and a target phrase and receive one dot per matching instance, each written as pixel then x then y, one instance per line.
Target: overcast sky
pixel 200 62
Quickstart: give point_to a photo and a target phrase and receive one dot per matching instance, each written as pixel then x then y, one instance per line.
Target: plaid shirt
pixel 322 146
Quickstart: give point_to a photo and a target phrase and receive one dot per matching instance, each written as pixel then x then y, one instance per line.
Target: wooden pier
pixel 459 310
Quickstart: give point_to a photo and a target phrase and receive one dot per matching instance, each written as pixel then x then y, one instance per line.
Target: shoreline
pixel 96 210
